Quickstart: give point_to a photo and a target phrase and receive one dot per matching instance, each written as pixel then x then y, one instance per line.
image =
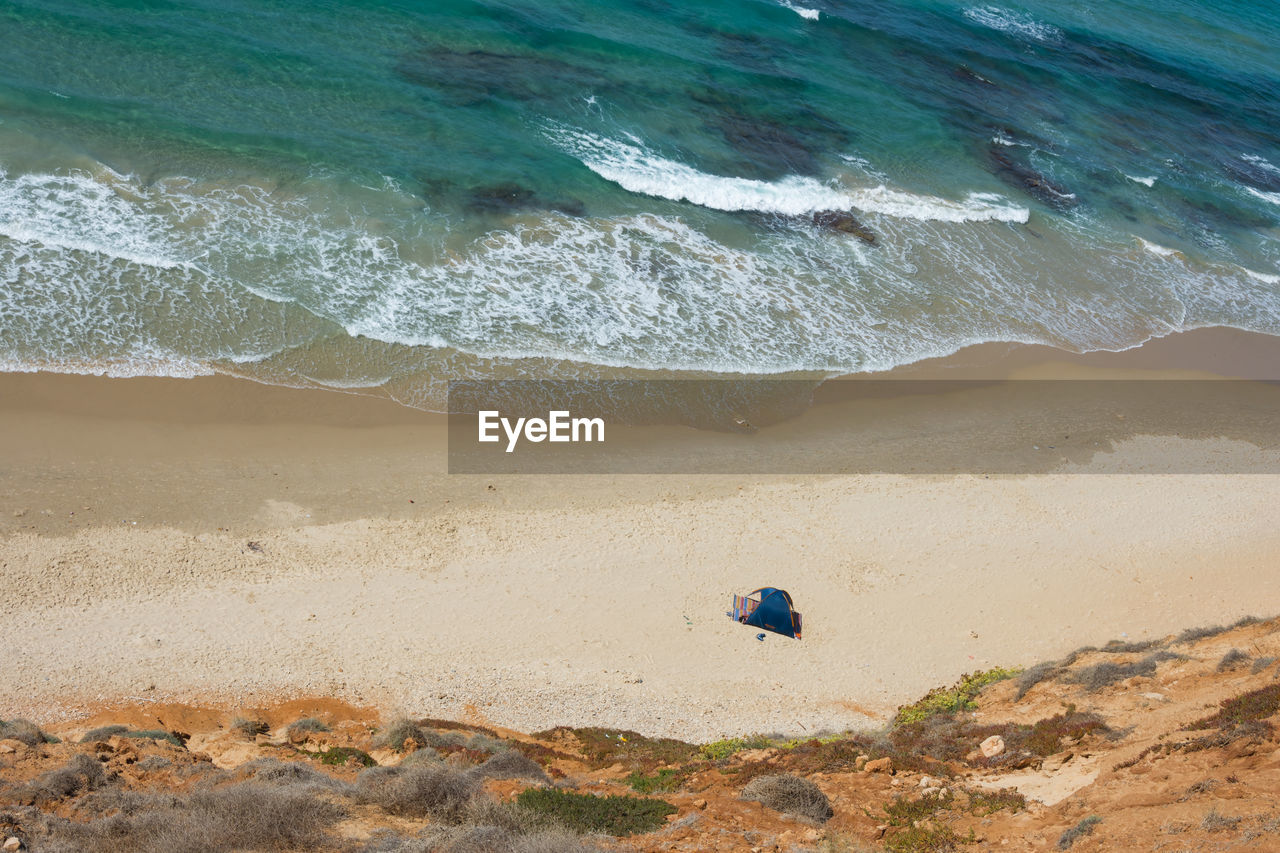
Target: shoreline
pixel 233 541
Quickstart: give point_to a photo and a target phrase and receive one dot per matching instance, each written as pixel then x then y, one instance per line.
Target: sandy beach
pixel 217 540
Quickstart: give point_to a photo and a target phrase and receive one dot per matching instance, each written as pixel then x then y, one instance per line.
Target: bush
pixel 491 839
pixel 307 725
pixel 1080 830
pixel 250 728
pixel 278 772
pixel 156 734
pixel 22 730
pixel 790 795
pixel 1254 706
pixel 665 780
pixel 1098 676
pixel 1260 664
pixel 440 793
pixel 925 839
pixel 1033 676
pixel 950 700
pixel 104 733
pixel 722 749
pixel 247 816
pixel 81 774
pixel 1231 660
pixel 340 756
pixel 612 815
pixel 511 765
pixel 1192 634
pixel 400 730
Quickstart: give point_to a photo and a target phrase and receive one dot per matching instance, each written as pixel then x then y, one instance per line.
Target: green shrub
pixel 612 815
pixel 950 700
pixel 724 748
pixel 904 811
pixel 103 733
pixel 155 734
pixel 342 755
pixel 983 803
pixel 925 839
pixel 663 781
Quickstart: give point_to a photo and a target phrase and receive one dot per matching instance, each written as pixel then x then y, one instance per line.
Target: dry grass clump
pixel 1260 664
pixel 277 772
pixel 1032 676
pixel 247 816
pixel 1098 676
pixel 511 765
pixel 492 839
pixel 22 730
pixel 438 792
pixel 790 795
pixel 307 725
pixel 1080 830
pixel 1216 822
pixel 1231 660
pixel 81 774
pixel 250 727
pixel 104 733
pixel 399 731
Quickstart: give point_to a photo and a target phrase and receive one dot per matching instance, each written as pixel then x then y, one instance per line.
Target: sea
pixel 382 197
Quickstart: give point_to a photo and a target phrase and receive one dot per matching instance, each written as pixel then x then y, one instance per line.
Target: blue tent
pixel 768 608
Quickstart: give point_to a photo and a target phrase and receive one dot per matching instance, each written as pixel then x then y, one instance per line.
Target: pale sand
pixel 534 601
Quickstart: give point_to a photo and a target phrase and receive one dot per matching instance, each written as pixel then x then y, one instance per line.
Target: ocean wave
pixel 1265 278
pixel 347 300
pixel 637 169
pixel 1261 162
pixel 977 207
pixel 134 366
pixel 1269 197
pixel 83 212
pixel 806 13
pixel 1145 181
pixel 1157 249
pixel 1014 23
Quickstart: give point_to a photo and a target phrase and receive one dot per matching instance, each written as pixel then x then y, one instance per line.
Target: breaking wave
pixel 637 169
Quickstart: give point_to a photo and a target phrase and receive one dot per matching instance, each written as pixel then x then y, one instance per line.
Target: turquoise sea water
pixel 394 194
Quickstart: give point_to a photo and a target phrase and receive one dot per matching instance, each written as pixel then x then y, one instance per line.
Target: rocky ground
pixel 1168 745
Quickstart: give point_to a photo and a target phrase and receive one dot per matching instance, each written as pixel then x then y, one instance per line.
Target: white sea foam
pixel 1157 249
pixel 1146 182
pixel 1265 278
pixel 1261 162
pixel 638 291
pixel 977 207
pixel 1014 23
pixel 637 169
pixel 807 14
pixel 82 212
pixel 1270 198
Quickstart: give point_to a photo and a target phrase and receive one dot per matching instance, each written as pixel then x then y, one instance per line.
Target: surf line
pixel 558 426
